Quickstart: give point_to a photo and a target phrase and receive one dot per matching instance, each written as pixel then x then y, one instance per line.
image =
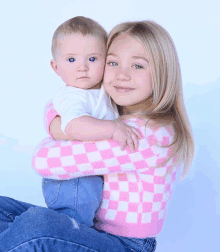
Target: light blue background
pixel 28 82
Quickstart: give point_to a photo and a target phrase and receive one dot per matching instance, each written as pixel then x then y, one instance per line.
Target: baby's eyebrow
pixel 95 54
pixel 74 54
pixel 70 54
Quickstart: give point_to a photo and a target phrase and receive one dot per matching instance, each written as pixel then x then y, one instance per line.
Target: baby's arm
pixel 56 131
pixel 77 123
pixel 86 128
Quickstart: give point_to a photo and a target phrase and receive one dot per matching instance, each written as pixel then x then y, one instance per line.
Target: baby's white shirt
pixel 71 102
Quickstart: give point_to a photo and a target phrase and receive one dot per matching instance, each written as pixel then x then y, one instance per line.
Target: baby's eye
pixel 112 63
pixel 92 59
pixel 136 66
pixel 71 59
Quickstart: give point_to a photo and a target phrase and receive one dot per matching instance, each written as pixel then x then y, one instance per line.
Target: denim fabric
pixel 78 198
pixel 36 229
pixel 9 209
pixel 137 244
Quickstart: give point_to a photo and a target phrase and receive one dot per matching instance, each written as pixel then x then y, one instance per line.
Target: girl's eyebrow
pixel 111 54
pixel 133 57
pixel 140 57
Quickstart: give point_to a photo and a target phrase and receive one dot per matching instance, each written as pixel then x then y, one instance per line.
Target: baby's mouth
pixel 83 77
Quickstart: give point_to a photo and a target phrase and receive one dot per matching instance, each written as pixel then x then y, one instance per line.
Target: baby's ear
pixel 54 66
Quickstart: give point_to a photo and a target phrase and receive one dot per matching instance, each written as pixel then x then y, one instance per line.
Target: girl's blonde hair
pixel 167 96
pixel 79 24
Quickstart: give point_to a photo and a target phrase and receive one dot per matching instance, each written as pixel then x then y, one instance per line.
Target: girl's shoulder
pixel 150 124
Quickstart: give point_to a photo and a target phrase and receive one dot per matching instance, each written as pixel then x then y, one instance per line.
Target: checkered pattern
pixel 134 202
pixel 66 159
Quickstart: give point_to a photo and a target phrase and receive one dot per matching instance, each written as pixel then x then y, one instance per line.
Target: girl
pixel 143 78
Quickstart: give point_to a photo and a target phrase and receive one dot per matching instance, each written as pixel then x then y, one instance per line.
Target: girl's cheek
pixel 109 74
pixel 106 76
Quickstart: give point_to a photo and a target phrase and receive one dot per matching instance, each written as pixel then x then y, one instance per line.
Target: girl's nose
pixel 123 74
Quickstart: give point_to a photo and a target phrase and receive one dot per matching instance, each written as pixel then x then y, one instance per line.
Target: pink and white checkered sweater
pixel 134 201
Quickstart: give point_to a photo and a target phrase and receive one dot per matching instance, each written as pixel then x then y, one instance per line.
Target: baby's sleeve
pixel 71 103
pixel 71 159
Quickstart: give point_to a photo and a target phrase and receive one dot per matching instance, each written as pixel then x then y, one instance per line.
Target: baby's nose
pixel 83 67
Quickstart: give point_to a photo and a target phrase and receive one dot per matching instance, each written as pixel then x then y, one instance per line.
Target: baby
pixel 87 112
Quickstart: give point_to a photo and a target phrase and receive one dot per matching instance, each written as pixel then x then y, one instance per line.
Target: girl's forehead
pixel 128 43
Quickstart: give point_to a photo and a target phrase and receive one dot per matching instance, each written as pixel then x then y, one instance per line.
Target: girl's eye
pixel 112 63
pixel 71 59
pixel 136 66
pixel 92 59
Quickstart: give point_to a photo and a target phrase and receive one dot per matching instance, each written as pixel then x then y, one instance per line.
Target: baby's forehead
pixel 80 43
pixel 80 37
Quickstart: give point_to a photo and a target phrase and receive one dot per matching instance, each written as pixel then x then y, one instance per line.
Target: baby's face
pixel 80 61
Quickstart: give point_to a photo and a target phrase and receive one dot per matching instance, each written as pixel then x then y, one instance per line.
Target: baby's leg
pixel 78 198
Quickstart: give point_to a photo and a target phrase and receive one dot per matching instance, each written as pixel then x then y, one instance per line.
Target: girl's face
pixel 127 77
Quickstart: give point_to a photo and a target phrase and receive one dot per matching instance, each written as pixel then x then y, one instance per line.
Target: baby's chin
pixel 83 84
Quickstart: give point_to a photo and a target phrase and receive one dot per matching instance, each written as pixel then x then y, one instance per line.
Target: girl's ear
pixel 54 66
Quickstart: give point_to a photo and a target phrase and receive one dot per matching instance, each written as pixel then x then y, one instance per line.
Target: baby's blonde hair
pixel 79 24
pixel 167 96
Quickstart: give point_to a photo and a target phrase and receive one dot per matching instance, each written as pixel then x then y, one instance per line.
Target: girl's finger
pixel 123 145
pixel 135 140
pixel 131 144
pixel 137 133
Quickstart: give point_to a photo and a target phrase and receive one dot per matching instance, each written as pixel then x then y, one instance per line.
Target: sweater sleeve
pixel 63 160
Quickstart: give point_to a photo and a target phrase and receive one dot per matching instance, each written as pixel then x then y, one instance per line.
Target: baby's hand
pixel 126 135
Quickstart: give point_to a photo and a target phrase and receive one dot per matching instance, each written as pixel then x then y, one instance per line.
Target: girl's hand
pixel 126 135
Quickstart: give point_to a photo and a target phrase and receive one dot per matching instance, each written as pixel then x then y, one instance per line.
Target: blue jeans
pixel 28 228
pixel 78 198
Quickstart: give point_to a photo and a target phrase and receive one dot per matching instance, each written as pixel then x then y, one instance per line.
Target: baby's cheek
pixel 100 72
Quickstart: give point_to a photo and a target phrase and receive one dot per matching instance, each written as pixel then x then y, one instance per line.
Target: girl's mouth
pixel 123 89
